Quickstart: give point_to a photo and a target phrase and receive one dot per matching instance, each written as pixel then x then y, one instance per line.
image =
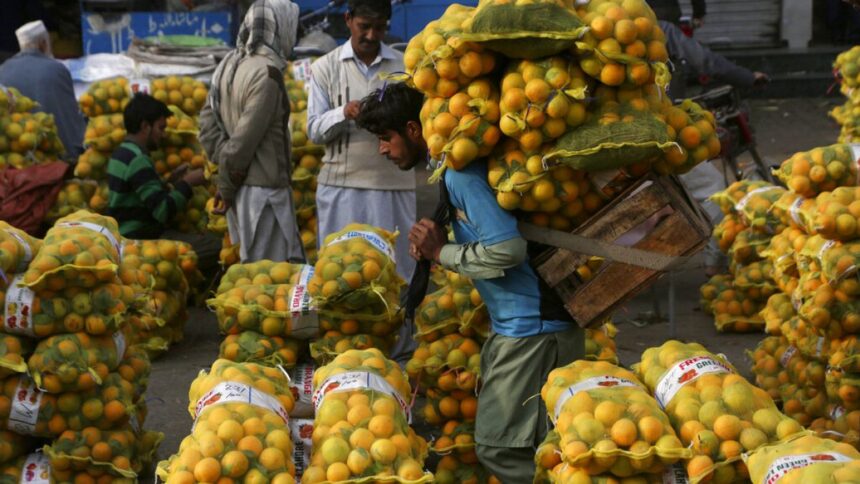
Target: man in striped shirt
pixel 142 203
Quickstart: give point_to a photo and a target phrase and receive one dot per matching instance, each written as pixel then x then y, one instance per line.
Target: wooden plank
pixel 616 283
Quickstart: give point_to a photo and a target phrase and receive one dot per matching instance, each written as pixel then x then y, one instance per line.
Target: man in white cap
pixel 35 73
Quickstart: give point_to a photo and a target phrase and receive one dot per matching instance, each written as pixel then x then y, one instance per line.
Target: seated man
pixel 141 202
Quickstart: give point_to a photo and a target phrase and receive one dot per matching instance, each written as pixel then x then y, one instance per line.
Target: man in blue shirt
pixel 531 332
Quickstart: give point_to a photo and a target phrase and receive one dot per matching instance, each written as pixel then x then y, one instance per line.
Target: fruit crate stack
pixel 26 136
pixel 72 374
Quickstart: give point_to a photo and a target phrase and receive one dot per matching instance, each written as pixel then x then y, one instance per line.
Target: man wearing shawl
pixel 244 129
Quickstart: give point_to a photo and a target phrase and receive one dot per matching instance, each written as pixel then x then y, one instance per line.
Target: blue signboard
pixel 113 33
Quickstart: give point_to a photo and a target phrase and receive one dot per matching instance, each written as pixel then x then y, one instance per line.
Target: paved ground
pixel 782 126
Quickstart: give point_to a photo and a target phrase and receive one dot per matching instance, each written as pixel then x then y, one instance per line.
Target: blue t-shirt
pixel 512 300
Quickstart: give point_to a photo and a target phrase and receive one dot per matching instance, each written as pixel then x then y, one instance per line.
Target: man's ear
pixel 413 130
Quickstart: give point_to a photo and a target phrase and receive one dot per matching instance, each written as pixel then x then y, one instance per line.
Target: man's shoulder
pixel 463 181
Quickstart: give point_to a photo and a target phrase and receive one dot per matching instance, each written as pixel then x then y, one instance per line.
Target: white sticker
pixel 36 469
pixel 381 244
pixel 359 380
pixel 18 311
pixel 25 407
pixel 301 433
pixel 99 229
pixel 302 388
pixel 232 392
pixel 684 372
pixel 786 356
pixel 783 465
pixel 603 381
pixel 742 203
pixel 28 252
pixel 120 344
pixel 675 474
pixel 303 311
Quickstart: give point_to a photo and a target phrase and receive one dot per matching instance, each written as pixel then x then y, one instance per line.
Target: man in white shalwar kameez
pixel 249 105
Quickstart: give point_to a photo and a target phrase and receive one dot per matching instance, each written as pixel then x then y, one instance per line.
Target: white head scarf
pixel 31 33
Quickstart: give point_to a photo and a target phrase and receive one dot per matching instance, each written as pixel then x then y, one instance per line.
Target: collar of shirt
pixel 385 53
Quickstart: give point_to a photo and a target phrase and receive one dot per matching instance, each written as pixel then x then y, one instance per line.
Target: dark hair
pixel 390 108
pixel 370 8
pixel 143 107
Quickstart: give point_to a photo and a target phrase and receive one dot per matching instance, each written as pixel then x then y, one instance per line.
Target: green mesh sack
pixel 525 31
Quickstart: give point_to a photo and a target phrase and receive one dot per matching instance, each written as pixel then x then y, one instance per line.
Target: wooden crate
pixel 681 229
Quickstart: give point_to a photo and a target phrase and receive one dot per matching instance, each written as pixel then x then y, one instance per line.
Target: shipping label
pixel 36 470
pixel 743 202
pixel 787 355
pixel 100 230
pixel 373 238
pixel 303 312
pixel 783 465
pixel 24 412
pixel 604 381
pixel 301 433
pixel 684 372
pixel 302 388
pixel 19 308
pixel 234 392
pixel 359 380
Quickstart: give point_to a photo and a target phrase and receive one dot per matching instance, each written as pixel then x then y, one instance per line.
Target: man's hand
pixel 426 239
pixel 352 109
pixel 195 177
pixel 760 79
pixel 221 205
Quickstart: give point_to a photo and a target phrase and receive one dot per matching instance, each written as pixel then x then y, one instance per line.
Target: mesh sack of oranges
pixel 838 425
pixel 92 164
pixel 229 253
pixel 12 101
pixel 826 312
pixel 457 439
pixel 451 310
pixel 98 203
pixel 727 231
pixel 215 223
pixel 803 403
pixel 449 363
pixel 81 249
pixel 463 127
pixel 843 388
pixel 333 343
pixel 810 342
pixel 729 199
pixel 184 92
pixel 614 136
pixel 767 368
pixel 755 208
pixel 160 259
pixel 837 261
pixel 193 218
pixel 788 209
pixel 779 308
pixel 361 427
pixel 600 343
pixel 297 94
pixel 305 203
pixel 546 96
pixel 805 459
pixel 14 445
pixel 619 428
pixel 29 138
pixel 439 61
pixel 306 167
pixel 847 68
pixel 135 368
pixel 694 130
pixel 782 248
pixel 453 404
pixel 374 321
pixel 834 214
pixel 754 280
pixel 96 311
pixel 748 247
pixel 733 311
pixel 14 351
pixel 240 427
pixel 249 346
pixel 120 453
pixel 356 269
pixel 823 169
pixel 149 334
pixel 35 467
pixel 524 30
pixel 105 97
pixel 262 272
pixel 77 361
pixel 105 133
pixel 845 113
pixel 16 250
pixel 713 408
pixel 624 43
pixel 108 406
pixel 450 470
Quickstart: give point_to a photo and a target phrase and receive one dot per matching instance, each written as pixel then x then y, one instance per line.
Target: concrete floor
pixel 782 128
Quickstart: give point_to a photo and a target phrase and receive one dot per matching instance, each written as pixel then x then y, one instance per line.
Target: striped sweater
pixel 139 199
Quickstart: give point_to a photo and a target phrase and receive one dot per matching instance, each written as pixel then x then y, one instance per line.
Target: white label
pixel 303 311
pixel 302 70
pixel 19 308
pixel 234 392
pixel 36 469
pixel 375 240
pixel 140 85
pixel 301 433
pixel 855 150
pixel 824 248
pixel 604 381
pixel 25 407
pixel 302 388
pixel 742 203
pixel 783 465
pixel 684 372
pixel 28 252
pixel 675 474
pixel 794 211
pixel 359 380
pixel 786 356
pixel 100 230
pixel 119 342
pixel 837 412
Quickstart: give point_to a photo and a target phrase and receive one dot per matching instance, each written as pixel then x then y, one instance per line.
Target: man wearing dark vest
pixel 531 332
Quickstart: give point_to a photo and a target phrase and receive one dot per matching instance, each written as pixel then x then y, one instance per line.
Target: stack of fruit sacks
pixel 736 299
pixel 240 433
pixel 606 424
pixel 451 325
pixel 847 71
pixel 356 289
pixel 255 307
pixel 26 137
pixel 307 160
pixel 712 408
pixel 361 427
pixel 167 266
pixel 82 378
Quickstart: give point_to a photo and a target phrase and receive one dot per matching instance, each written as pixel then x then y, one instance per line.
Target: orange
pixel 601 27
pixel 612 74
pixel 207 470
pixel 690 137
pixel 625 31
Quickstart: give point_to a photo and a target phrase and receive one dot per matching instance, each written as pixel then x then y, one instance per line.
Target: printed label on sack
pixel 28 252
pixel 302 71
pixel 301 433
pixel 120 344
pixel 19 308
pixel 745 200
pixel 675 474
pixel 824 248
pixel 794 211
pixel 234 392
pixel 302 388
pixel 99 229
pixel 24 412
pixel 786 356
pixel 359 380
pixel 684 372
pixel 374 239
pixel 303 311
pixel 783 465
pixel 36 469
pixel 604 381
